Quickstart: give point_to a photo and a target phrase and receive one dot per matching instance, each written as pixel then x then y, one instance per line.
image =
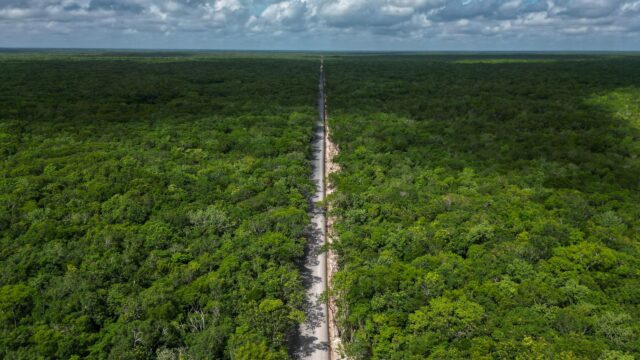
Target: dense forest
pixel 488 205
pixel 153 206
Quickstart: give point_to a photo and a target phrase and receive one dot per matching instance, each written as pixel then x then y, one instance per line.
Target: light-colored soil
pixel 313 340
pixel 332 260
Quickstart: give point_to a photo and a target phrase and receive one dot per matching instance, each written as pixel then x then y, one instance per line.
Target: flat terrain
pixel 160 205
pixel 153 206
pixel 489 205
pixel 313 343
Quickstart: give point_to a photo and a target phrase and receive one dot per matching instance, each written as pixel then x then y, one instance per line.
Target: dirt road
pixel 313 342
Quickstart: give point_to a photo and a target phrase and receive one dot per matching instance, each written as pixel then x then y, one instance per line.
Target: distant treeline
pixel 153 210
pixel 489 205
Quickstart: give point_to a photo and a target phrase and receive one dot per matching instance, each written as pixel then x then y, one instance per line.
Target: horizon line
pixel 532 51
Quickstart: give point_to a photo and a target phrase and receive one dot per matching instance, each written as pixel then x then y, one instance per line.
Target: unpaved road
pixel 313 342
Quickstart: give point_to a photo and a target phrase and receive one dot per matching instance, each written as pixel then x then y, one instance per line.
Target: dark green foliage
pixel 489 206
pixel 153 209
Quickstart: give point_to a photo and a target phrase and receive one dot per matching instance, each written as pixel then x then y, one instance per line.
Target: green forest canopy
pixel 152 209
pixel 154 205
pixel 489 206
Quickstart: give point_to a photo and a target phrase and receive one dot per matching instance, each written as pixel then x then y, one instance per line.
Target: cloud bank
pixel 324 24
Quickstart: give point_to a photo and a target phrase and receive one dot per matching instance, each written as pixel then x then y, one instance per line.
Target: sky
pixel 358 25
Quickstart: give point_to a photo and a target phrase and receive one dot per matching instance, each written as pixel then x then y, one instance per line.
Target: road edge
pixel 330 167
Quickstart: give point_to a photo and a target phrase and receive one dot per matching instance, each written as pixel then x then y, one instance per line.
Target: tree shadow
pixel 302 344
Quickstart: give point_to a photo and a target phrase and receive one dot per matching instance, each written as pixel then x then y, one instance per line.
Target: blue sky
pixel 323 24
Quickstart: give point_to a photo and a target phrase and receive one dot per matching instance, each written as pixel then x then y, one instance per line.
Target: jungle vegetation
pixel 152 205
pixel 488 205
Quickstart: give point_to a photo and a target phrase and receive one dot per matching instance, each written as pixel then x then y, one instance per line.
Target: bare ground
pixel 332 260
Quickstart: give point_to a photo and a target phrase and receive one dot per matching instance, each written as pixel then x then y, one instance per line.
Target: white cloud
pixel 16 13
pixel 333 19
pixel 377 13
pixel 631 7
pixel 291 15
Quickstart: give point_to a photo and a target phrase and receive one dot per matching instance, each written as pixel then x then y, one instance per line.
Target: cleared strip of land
pixel 314 333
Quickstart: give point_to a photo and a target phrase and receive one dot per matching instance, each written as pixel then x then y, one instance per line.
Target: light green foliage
pixel 446 318
pixel 210 220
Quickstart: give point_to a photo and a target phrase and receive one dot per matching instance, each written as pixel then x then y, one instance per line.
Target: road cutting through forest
pixel 478 194
pixel 330 167
pixel 315 342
